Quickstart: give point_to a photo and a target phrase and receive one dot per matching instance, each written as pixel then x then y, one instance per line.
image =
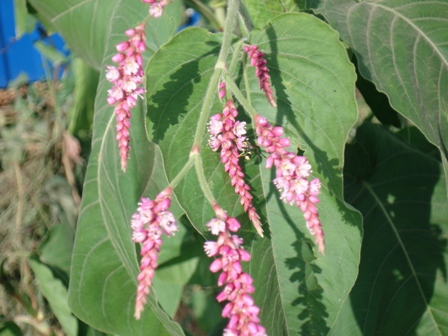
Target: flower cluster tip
pixel 240 308
pixel 126 79
pixel 149 223
pixel 261 71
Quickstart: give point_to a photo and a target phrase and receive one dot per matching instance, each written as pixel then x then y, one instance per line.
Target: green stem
pixel 147 19
pixel 220 12
pixel 245 20
pixel 236 55
pixel 219 67
pixel 203 181
pixel 239 95
pixel 183 172
pixel 232 12
pixel 246 81
pixel 206 107
pixel 206 12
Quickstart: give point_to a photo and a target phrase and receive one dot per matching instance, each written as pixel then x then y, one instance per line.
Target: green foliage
pixel 401 46
pixel 389 173
pixel 56 294
pixel 402 195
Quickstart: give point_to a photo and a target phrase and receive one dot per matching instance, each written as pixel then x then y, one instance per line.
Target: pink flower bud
pixel 216 265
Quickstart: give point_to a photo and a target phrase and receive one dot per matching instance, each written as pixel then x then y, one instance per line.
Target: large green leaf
pixel 402 284
pixel 401 46
pixel 297 289
pixel 83 24
pixel 104 264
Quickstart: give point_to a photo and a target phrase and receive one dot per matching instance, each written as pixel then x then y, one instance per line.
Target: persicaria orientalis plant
pixel 228 136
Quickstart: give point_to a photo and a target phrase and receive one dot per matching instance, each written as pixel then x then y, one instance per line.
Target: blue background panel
pixel 17 56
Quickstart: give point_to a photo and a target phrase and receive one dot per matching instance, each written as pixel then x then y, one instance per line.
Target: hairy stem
pixel 239 95
pixel 203 181
pixel 232 12
pixel 245 20
pixel 183 172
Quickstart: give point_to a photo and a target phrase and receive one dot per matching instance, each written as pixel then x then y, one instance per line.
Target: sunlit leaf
pixel 104 266
pixel 401 46
pixel 297 289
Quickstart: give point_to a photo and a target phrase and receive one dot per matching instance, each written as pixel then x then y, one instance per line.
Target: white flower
pixel 167 222
pixel 216 226
pixel 211 248
pixel 130 67
pixel 215 126
pixel 112 73
pixel 239 128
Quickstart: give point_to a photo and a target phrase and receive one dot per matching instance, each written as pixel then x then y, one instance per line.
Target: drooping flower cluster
pixel 229 135
pixel 292 176
pixel 261 70
pixel 240 309
pixel 151 220
pixel 156 7
pixel 126 79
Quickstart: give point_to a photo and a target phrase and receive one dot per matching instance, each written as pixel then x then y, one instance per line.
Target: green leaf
pixel 314 83
pixel 261 11
pixel 401 46
pixel 56 250
pixel 81 112
pixel 169 294
pixel 85 25
pixel 104 265
pixel 9 328
pixel 25 23
pixel 402 284
pixel 56 294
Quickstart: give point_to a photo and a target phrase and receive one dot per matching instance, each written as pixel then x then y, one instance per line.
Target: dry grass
pixel 32 185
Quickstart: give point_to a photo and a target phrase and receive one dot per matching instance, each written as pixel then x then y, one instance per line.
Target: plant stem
pixel 232 12
pixel 235 56
pixel 203 181
pixel 245 20
pixel 175 181
pixel 239 96
pixel 220 66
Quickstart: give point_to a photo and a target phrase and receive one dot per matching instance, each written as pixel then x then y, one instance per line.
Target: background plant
pixel 376 155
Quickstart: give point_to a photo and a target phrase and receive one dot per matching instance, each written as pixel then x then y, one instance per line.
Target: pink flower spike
pixel 240 308
pixel 292 176
pixel 229 135
pixel 126 79
pixel 261 70
pixel 148 225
